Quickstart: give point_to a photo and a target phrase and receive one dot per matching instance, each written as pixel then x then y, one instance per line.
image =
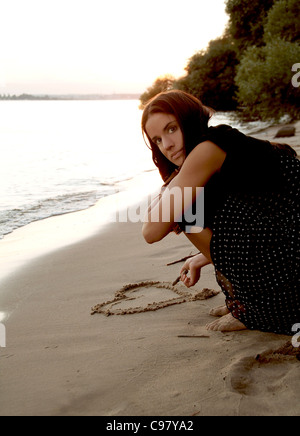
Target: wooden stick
pixel 182 260
pixel 179 278
pixel 176 281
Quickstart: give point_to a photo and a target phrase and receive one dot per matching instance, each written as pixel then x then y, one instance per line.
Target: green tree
pixel 264 74
pixel 210 75
pixel 250 66
pixel 250 78
pixel 283 21
pixel 264 80
pixel 161 84
pixel 246 22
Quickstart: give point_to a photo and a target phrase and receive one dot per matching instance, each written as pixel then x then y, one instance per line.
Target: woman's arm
pixel 200 165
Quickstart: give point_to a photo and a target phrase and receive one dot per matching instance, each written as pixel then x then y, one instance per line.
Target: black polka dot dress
pixel 253 211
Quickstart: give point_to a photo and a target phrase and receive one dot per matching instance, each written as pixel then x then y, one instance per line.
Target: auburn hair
pixel 192 117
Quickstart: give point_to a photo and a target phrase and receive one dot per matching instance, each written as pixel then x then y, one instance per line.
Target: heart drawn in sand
pixel 149 296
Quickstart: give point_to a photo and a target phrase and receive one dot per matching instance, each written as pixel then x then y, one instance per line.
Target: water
pixel 62 156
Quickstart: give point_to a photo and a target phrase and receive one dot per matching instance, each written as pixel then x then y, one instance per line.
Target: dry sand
pixel 61 360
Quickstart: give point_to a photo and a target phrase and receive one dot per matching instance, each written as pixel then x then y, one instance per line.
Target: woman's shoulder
pixel 232 139
pixel 225 136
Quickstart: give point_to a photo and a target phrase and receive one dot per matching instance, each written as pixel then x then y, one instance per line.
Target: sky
pixel 101 46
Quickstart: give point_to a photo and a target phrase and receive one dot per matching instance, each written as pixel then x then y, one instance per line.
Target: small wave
pixel 13 219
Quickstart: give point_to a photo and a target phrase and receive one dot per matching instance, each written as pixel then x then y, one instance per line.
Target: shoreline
pixel 267 133
pixel 60 360
pixel 47 235
pixel 270 132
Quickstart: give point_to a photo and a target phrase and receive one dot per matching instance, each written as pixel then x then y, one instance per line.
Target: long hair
pixel 192 117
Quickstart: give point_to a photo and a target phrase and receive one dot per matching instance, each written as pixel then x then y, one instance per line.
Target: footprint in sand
pixel 272 376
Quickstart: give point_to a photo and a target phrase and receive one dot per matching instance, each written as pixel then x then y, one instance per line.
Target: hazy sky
pixel 101 46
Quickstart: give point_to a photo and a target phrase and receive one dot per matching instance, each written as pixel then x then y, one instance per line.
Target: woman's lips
pixel 176 155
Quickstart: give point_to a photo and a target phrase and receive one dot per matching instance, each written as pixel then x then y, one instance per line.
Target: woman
pixel 251 211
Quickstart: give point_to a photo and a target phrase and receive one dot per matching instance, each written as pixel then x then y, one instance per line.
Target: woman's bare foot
pixel 226 324
pixel 219 311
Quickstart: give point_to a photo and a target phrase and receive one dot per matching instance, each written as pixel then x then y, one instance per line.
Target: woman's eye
pixel 157 141
pixel 172 129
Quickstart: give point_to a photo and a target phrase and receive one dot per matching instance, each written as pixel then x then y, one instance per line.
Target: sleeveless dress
pixel 252 208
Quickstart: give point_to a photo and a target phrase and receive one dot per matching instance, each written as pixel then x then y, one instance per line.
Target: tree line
pixel 250 68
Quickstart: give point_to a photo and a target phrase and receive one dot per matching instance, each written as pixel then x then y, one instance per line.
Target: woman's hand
pixel 193 265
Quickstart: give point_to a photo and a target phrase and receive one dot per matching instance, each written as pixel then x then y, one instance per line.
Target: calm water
pixel 62 156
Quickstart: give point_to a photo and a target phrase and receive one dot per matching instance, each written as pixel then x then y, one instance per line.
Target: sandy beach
pixel 60 360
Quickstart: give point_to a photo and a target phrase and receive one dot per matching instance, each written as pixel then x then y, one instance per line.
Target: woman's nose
pixel 167 143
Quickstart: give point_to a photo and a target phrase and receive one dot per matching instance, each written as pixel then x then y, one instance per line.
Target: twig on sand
pixel 182 260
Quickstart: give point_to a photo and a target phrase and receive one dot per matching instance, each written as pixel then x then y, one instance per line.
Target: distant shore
pixel 70 97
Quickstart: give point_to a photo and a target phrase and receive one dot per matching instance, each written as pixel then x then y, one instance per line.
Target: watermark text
pixel 296 337
pixel 296 77
pixel 184 205
pixel 2 336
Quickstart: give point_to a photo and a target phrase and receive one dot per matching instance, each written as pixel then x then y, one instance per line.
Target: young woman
pixel 250 231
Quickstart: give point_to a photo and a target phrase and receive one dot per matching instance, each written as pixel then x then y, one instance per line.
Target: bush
pixel 161 84
pixel 264 80
pixel 210 75
pixel 246 22
pixel 283 21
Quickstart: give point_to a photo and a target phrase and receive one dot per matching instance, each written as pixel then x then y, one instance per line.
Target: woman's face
pixel 165 133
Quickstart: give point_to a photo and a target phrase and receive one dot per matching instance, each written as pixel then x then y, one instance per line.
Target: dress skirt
pixel 255 251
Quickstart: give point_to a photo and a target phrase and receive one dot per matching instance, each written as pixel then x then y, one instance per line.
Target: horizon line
pixel 114 95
